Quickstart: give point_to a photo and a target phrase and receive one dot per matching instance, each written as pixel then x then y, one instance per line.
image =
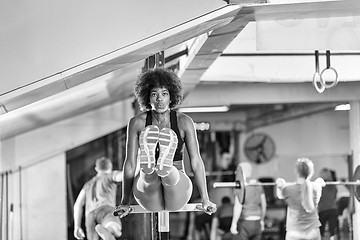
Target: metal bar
pixel 261 184
pixel 343 183
pixel 164 235
pixel 190 207
pixel 285 54
pixel 226 184
pixel 177 55
pixel 7 206
pixel 164 225
pixel 215 173
pixel 11 222
pixel 20 205
pixel 160 220
pixel 154 226
pixel 237 184
pixel 1 206
pixel 163 222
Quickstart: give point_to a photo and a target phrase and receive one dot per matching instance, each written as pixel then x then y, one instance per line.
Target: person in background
pixel 221 220
pixel 156 140
pixel 98 195
pixel 248 218
pixel 345 207
pixel 202 225
pixel 327 208
pixel 302 198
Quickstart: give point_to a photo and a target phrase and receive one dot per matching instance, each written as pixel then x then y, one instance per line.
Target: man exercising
pixel 99 196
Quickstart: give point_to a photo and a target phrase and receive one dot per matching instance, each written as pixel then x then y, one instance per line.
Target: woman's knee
pixel 150 200
pixel 177 196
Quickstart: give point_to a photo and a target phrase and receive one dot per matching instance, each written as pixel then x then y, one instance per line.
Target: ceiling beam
pixel 289 114
pixel 215 44
pixel 118 59
pixel 268 93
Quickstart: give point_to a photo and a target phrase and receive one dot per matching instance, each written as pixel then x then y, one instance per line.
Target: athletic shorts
pixel 102 215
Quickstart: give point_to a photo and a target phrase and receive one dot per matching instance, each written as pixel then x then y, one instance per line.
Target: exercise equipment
pixel 162 226
pixel 319 87
pixel 215 173
pixel 240 178
pixel 240 184
pixel 319 82
pixel 327 69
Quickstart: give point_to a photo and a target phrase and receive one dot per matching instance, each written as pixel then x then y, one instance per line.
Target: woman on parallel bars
pixel 302 198
pixel 157 138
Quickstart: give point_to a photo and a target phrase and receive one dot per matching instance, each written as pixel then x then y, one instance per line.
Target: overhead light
pixel 343 107
pixel 204 109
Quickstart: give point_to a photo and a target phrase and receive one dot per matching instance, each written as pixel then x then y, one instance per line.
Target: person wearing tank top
pixel 248 217
pixel 302 198
pixel 156 139
pixel 327 208
pixel 98 195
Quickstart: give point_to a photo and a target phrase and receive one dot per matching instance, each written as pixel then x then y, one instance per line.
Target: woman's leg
pixel 177 188
pixel 148 191
pixel 172 178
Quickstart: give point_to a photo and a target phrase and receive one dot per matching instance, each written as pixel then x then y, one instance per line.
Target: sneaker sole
pixel 148 140
pixel 168 143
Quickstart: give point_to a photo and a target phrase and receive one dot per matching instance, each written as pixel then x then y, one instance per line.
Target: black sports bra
pixel 179 153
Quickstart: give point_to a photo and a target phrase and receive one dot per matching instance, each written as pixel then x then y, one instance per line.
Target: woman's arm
pixel 192 146
pixel 263 210
pixel 318 191
pixel 129 168
pixel 236 215
pixel 280 184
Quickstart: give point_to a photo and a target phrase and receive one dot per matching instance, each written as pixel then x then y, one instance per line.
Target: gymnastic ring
pixel 323 82
pixel 316 77
pixel 317 82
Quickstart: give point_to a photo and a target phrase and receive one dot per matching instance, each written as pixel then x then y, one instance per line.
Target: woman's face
pixel 159 99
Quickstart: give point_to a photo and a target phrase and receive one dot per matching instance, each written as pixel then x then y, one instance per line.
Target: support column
pixel 148 222
pixel 354 118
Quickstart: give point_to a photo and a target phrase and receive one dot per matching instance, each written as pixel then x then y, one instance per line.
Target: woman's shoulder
pixel 184 121
pixel 183 118
pixel 138 120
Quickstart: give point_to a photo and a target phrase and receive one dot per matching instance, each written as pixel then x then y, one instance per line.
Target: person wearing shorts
pixel 98 195
pixel 248 217
pixel 302 198
pixel 221 221
pixel 156 142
